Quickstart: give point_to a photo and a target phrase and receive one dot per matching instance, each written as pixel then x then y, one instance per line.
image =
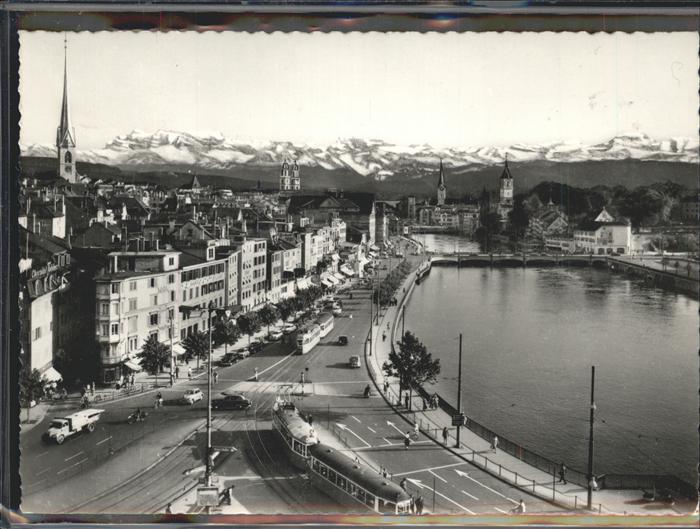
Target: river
pixel 530 338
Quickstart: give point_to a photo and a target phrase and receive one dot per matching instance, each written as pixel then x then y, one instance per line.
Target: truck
pixel 63 427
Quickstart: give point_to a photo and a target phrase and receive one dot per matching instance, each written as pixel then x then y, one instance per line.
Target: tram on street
pixel 308 338
pixel 295 431
pixel 353 483
pixel 325 322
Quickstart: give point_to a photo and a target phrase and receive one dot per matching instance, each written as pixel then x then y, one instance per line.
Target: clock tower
pixel 506 187
pixel 441 189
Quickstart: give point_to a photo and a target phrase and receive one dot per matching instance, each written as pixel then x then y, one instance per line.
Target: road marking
pixel 42 472
pixel 345 428
pixel 358 420
pixel 464 474
pixel 440 478
pixel 74 456
pixel 470 495
pixel 37 482
pixel 500 510
pixel 42 454
pixel 103 441
pixel 431 468
pixel 418 483
pixel 73 465
pixel 371 429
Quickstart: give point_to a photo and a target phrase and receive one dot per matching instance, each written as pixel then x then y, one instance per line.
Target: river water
pixel 530 338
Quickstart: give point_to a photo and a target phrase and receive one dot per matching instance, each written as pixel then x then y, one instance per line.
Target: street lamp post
pixel 591 478
pixel 172 356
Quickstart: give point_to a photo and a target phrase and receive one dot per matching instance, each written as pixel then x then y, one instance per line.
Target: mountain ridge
pixel 373 159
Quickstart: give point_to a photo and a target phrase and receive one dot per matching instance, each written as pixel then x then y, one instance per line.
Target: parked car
pixel 231 402
pixel 275 336
pixel 192 395
pixel 289 329
pixel 228 359
pixel 342 340
pixel 243 353
pixel 256 347
pixel 337 311
pixel 354 362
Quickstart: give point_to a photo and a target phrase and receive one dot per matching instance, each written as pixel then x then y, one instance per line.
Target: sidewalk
pixel 506 467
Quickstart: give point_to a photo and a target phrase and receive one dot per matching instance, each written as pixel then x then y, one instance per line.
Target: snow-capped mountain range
pixel 370 158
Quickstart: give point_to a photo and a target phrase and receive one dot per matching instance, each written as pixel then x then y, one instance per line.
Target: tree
pixel 285 308
pixel 154 355
pixel 249 324
pixel 225 333
pixel 268 315
pixel 31 387
pixel 412 364
pixel 196 346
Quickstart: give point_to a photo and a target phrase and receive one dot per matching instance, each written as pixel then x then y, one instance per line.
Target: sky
pixel 450 89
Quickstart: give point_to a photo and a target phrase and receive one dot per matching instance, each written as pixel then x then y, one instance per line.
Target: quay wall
pixel 605 481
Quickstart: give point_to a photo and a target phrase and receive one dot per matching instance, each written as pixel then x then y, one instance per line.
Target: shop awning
pixel 331 278
pixel 347 270
pixel 131 364
pixel 339 277
pixel 51 375
pixel 326 283
pixel 178 349
pixel 373 255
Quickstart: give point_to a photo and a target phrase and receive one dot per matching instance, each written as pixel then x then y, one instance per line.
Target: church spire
pixel 441 178
pixel 441 188
pixel 65 136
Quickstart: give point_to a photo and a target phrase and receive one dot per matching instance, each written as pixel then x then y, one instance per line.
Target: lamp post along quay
pixel 591 478
pixel 226 311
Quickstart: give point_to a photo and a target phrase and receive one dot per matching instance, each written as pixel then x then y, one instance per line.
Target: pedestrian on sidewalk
pixel 386 386
pixel 425 405
pixel 255 376
pixel 92 388
pixel 419 504
pixel 384 472
pixel 407 441
pixel 177 371
pixel 412 505
pixel 494 443
pixel 407 402
pixel 310 419
pixel 402 484
pixel 562 474
pixel 216 377
pixel 169 508
pixel 519 508
pixel 383 337
pixel 189 373
pixel 445 435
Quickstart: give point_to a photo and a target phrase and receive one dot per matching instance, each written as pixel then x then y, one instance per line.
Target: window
pixel 184 295
pixel 115 288
pixel 152 282
pixel 171 314
pixel 172 295
pixel 154 299
pixel 115 328
pixel 132 304
pixel 104 309
pixel 153 318
pixel 132 285
pixel 171 278
pixel 37 333
pixel 154 334
pixel 133 323
pixel 68 158
pixel 133 343
pixel 115 308
pixel 183 334
pixel 104 331
pixel 171 261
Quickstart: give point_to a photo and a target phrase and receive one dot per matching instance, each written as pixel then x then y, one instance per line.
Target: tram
pixel 296 432
pixel 307 338
pixel 325 322
pixel 353 483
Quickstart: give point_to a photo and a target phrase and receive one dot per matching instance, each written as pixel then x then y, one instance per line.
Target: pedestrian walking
pixel 92 388
pixel 562 474
pixel 494 443
pixel 169 508
pixel 383 337
pixel 189 373
pixel 519 508
pixel 406 402
pixel 386 386
pixel 445 435
pixel 177 371
pixel 255 376
pixel 216 377
pixel 407 441
pixel 419 504
pixel 384 472
pixel 310 419
pixel 425 404
pixel 402 484
pixel 412 504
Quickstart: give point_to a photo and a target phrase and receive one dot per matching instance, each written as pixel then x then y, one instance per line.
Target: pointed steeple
pixel 441 178
pixel 506 170
pixel 441 188
pixel 64 137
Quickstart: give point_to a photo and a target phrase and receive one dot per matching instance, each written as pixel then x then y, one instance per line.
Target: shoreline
pixel 536 460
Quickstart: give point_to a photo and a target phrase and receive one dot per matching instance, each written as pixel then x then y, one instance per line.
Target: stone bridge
pixel 655 270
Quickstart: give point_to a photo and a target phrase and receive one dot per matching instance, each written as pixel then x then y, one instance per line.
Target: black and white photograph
pixel 364 273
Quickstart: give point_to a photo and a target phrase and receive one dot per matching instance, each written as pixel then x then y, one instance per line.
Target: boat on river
pixel 423 270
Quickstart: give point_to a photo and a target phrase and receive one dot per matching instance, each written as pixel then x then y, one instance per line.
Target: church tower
pixel 296 179
pixel 65 136
pixel 285 179
pixel 441 189
pixel 506 187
